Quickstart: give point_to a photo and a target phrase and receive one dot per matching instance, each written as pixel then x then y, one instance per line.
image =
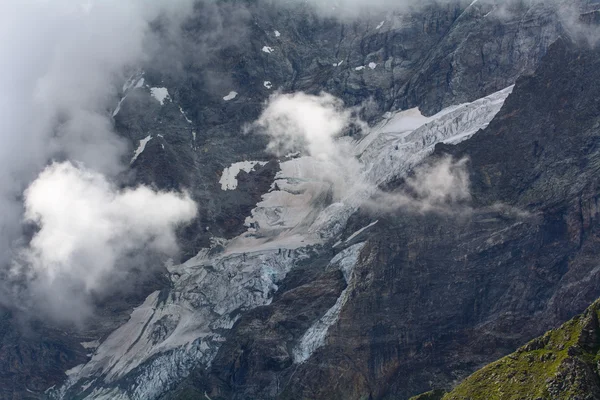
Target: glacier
pixel 176 330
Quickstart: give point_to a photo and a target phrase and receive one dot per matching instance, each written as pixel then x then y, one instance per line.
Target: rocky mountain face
pixel 321 299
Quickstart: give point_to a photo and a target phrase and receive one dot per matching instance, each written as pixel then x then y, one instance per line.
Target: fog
pixel 61 64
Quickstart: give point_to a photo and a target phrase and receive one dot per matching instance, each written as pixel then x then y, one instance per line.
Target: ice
pixel 141 148
pixel 267 49
pixel 405 138
pixel 74 370
pixel 229 177
pixel 169 335
pixel 184 326
pixel 315 336
pixel 160 94
pixel 232 95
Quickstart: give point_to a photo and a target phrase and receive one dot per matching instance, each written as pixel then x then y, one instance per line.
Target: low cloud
pixel 314 126
pixel 442 186
pixel 361 8
pixel 90 235
pixel 63 64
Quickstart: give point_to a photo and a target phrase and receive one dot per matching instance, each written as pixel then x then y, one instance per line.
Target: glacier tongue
pixel 396 145
pixel 175 331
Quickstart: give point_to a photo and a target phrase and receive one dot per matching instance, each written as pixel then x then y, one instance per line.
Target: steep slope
pixel 184 124
pixel 290 232
pixel 436 295
pixel 562 364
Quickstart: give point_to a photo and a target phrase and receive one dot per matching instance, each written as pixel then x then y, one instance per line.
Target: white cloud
pixel 61 62
pixel 314 125
pixel 442 186
pixel 89 230
pixel 302 122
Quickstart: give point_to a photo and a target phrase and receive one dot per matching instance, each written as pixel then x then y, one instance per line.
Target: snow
pixel 74 370
pixel 268 50
pixel 160 94
pixel 232 95
pixel 228 179
pixel 140 83
pixel 141 148
pixel 338 63
pixel 268 84
pixel 372 65
pixel 315 336
pixel 171 335
pixel 277 33
pixel 404 138
pixel 136 81
pixel 358 232
pixel 360 68
pixel 184 327
pixel 90 345
pixel 380 25
pixel 118 108
pixel 299 193
pixel 189 121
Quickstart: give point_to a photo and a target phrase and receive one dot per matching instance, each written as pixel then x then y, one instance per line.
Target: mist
pixel 360 8
pixel 62 64
pixel 314 125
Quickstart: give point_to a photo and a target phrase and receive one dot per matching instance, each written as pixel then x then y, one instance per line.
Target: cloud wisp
pixel 313 125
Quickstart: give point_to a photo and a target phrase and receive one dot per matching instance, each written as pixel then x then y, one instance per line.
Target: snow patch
pixel 229 178
pixel 118 108
pixel 268 84
pixel 141 148
pixel 268 50
pixel 360 68
pixel 277 33
pixel 232 95
pixel 358 232
pixel 380 25
pixel 160 94
pixel 372 65
pixel 189 121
